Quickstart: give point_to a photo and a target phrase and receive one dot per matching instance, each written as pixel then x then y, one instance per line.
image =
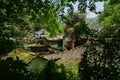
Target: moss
pixel 21 54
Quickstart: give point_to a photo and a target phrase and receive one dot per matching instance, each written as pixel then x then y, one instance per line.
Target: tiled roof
pixel 22 55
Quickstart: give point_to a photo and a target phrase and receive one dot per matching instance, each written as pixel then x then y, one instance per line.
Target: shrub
pixel 13 70
pixel 6 46
pixel 101 59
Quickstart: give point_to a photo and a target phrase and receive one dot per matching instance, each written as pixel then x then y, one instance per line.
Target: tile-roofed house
pixel 41 33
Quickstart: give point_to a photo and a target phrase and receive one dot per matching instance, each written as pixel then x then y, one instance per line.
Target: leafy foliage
pixel 71 22
pixel 75 28
pixel 6 46
pixel 17 70
pixel 13 70
pixel 24 15
pixel 101 59
pixel 20 18
pixel 17 16
pixel 109 18
pixel 55 72
pixel 50 72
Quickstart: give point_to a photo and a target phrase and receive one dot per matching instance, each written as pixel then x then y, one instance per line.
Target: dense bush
pixel 13 70
pixel 54 72
pixel 101 59
pixel 6 46
pixel 17 70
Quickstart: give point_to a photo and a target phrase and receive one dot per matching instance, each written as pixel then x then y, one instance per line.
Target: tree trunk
pixel 72 45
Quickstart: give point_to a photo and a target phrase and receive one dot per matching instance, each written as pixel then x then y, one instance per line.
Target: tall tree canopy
pixel 21 16
pixel 101 59
pixel 109 18
pixel 17 16
pixel 75 26
pixel 75 29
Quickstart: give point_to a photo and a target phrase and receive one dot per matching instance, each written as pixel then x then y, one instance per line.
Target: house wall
pixel 38 48
pixel 58 42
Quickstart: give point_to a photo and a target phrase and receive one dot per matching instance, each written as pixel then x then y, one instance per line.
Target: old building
pixel 41 33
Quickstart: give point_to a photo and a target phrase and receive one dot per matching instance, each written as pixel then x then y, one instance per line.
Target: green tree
pixel 100 60
pixel 50 72
pixel 16 15
pixel 75 27
pixel 14 70
pixel 6 46
pixel 54 72
pixel 20 18
pixel 109 18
